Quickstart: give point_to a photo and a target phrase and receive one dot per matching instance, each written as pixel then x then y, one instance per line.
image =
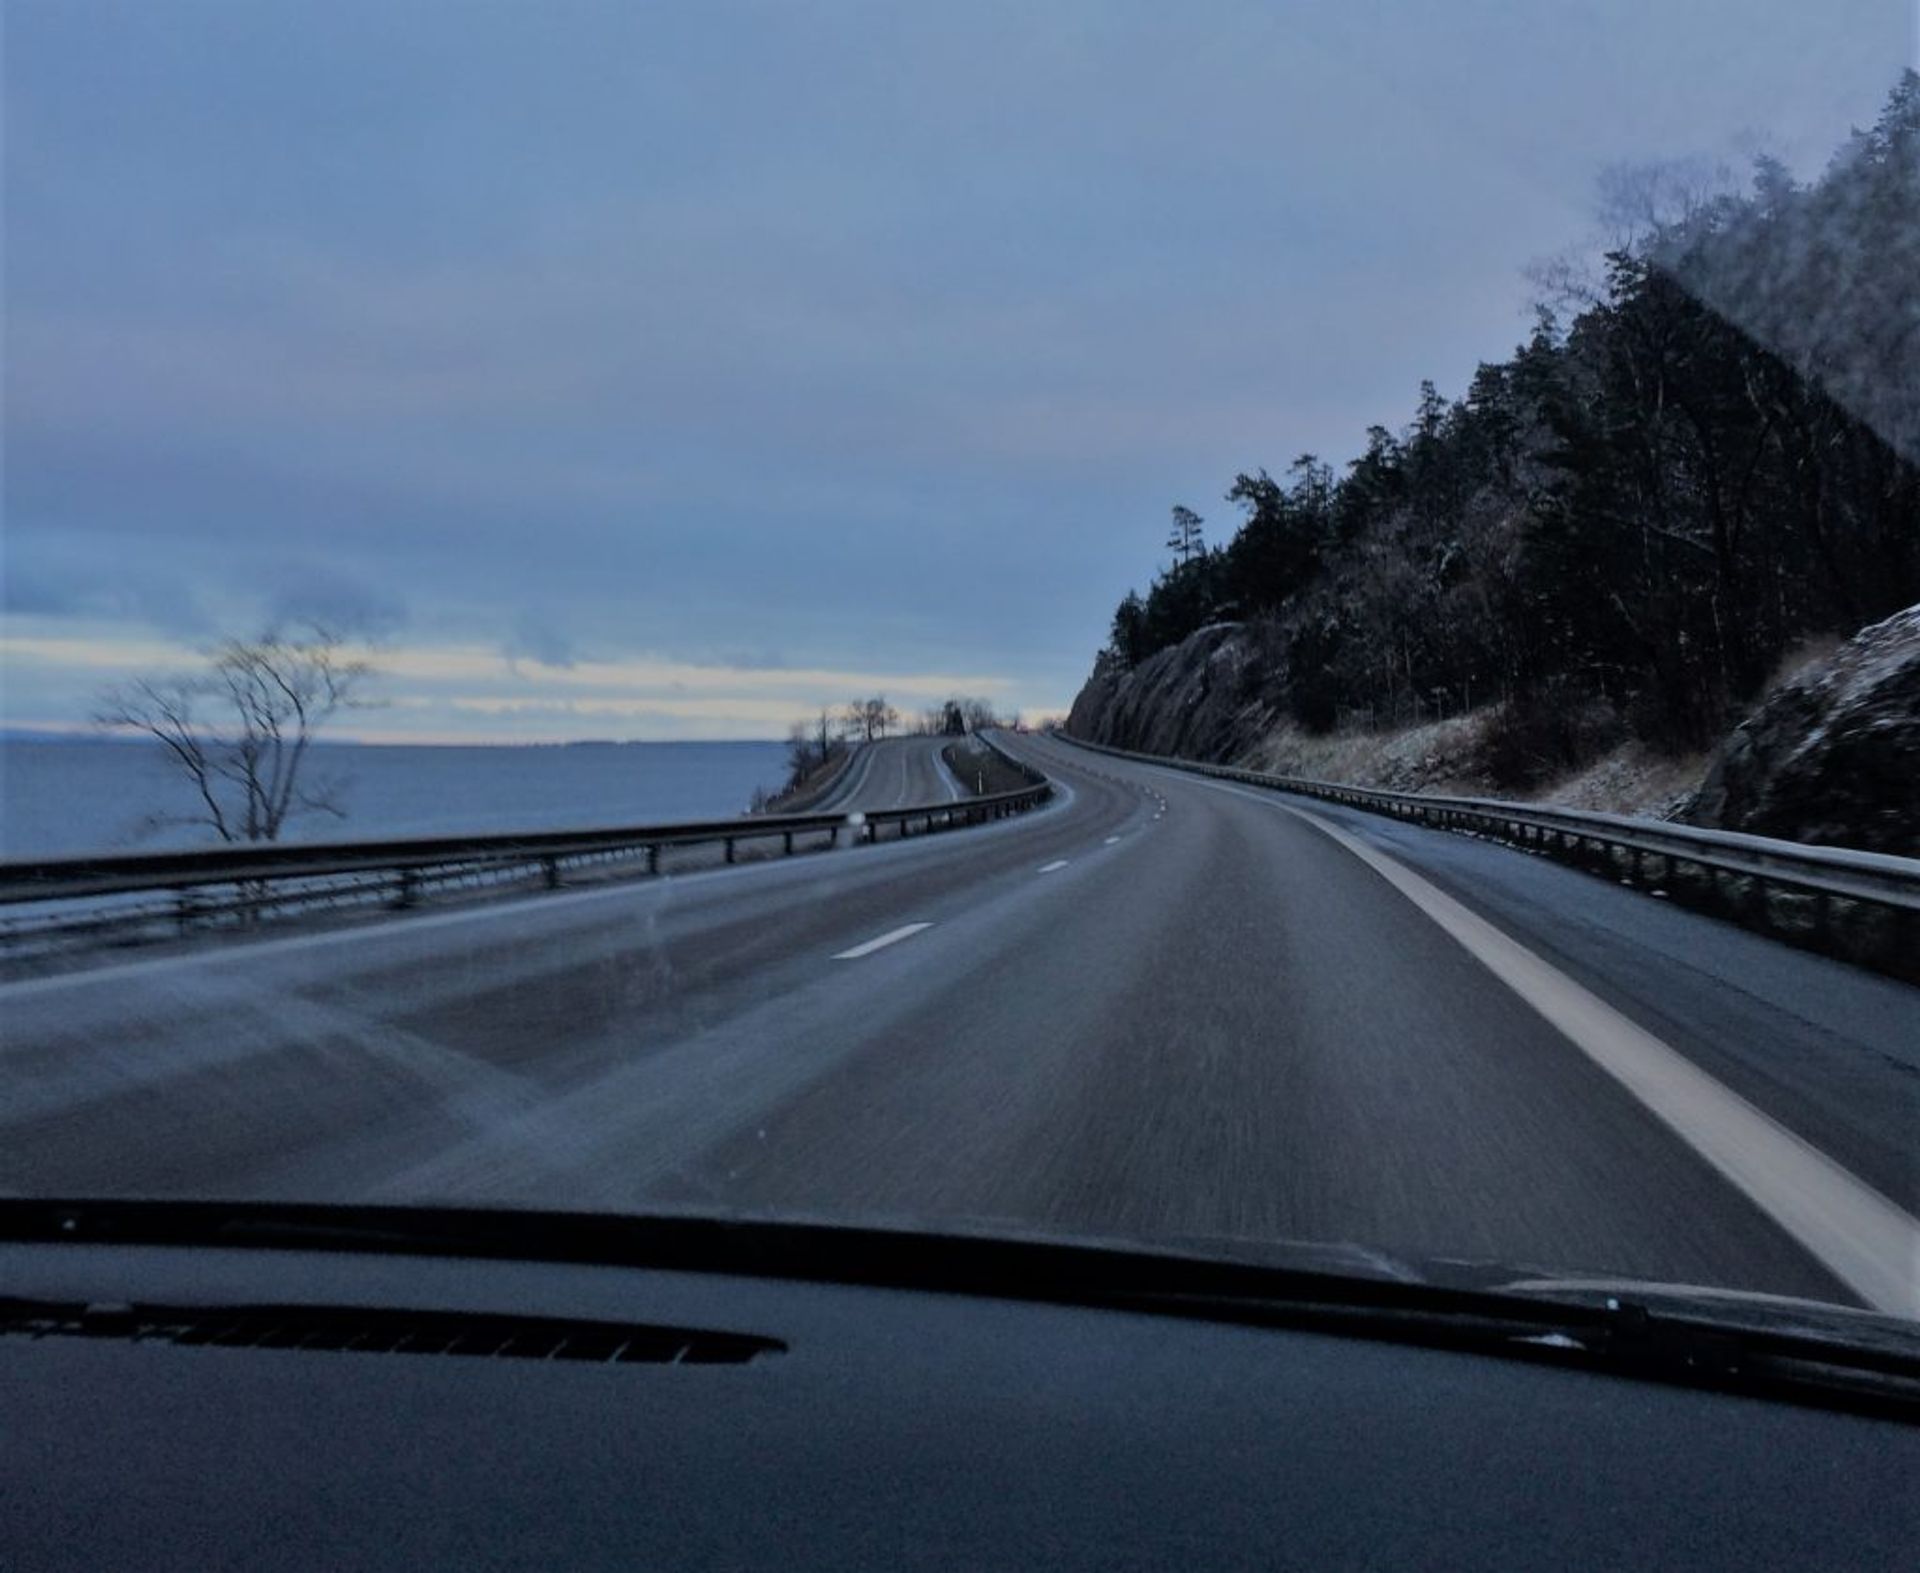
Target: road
pixel 893 772
pixel 1163 1006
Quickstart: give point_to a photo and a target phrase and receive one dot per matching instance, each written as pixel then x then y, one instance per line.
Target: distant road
pixel 1163 1007
pixel 894 772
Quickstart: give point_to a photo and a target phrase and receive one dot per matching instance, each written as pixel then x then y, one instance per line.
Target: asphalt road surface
pixel 894 772
pixel 1161 1007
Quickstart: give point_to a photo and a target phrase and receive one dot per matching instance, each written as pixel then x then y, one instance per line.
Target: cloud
pixel 537 639
pixel 851 342
pixel 346 603
pixel 123 657
pixel 67 585
pixel 26 592
pixel 770 715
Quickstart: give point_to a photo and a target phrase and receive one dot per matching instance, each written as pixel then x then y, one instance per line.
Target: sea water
pixel 60 799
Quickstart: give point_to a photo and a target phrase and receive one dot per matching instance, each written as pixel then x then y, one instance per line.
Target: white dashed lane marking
pixel 1048 868
pixel 891 937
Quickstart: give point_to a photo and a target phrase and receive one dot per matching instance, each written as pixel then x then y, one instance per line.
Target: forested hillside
pixel 1620 529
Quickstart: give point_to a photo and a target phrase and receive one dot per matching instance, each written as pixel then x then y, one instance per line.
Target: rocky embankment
pixel 1830 756
pixel 1833 755
pixel 1208 697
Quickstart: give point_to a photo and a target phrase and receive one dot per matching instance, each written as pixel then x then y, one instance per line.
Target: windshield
pixel 1225 626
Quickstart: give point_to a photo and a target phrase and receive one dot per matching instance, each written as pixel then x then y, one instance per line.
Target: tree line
pixel 1697 459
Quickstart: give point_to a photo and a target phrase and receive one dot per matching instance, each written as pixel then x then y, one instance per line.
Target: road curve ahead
pixel 893 772
pixel 1160 1007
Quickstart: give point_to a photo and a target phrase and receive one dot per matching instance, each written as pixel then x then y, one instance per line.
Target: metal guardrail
pixel 1862 906
pixel 92 896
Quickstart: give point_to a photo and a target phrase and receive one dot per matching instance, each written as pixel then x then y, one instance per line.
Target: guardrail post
pixel 1714 892
pixel 786 844
pixel 653 857
pixel 1903 945
pixel 185 910
pixel 729 841
pixel 550 867
pixel 407 891
pixel 833 836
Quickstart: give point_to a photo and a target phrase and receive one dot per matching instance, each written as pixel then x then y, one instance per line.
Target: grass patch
pixel 979 770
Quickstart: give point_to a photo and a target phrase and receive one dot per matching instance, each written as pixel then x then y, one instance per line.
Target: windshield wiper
pixel 1870 1368
pixel 1850 1360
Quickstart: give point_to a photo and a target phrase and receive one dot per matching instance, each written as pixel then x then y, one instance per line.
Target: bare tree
pixel 1634 204
pixel 1637 201
pixel 241 731
pixel 977 713
pixel 802 757
pixel 870 718
pixel 1565 283
pixel 825 734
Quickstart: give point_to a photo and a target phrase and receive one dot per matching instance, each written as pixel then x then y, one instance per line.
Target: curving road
pixel 893 772
pixel 1162 1007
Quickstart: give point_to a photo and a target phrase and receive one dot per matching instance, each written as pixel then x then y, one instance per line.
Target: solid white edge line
pixel 949 782
pixel 845 787
pixel 880 942
pixel 1869 1242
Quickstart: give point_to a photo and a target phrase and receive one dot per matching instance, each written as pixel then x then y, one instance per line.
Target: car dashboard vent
pixel 379 1330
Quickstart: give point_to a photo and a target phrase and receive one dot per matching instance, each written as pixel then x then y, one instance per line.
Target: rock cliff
pixel 1211 696
pixel 1833 755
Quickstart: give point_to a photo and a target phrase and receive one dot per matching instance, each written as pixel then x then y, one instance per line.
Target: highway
pixel 1161 1007
pixel 894 772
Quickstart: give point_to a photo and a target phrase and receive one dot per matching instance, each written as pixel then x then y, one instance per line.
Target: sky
pixel 657 370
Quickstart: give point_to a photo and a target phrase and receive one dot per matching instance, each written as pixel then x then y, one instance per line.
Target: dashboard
pixel 510 1414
